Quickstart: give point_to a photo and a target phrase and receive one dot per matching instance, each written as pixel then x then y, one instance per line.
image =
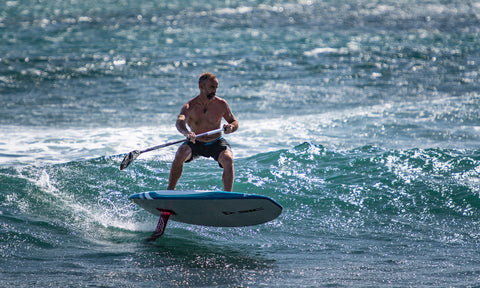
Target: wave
pixel 414 183
pixel 320 189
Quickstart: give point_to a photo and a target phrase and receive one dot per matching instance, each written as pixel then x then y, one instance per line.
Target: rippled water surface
pixel 361 118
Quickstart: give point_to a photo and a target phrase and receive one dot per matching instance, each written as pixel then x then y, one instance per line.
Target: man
pixel 204 113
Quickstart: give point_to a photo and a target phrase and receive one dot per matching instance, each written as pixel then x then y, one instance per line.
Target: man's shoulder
pixel 220 100
pixel 191 102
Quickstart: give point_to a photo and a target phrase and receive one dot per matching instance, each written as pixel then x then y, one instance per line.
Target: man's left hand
pixel 228 128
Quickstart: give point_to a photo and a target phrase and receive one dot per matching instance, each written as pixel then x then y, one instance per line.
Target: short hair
pixel 205 76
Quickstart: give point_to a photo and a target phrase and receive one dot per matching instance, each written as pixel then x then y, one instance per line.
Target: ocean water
pixel 361 118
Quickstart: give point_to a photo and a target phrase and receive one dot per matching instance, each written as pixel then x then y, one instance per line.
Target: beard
pixel 210 96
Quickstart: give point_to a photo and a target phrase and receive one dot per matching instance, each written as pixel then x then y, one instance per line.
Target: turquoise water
pixel 361 118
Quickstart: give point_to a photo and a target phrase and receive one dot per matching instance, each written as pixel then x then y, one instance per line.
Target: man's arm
pixel 232 125
pixel 181 124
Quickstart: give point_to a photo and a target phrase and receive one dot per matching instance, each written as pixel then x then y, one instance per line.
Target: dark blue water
pixel 360 118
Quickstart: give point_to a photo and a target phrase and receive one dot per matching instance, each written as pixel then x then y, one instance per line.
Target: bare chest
pixel 205 115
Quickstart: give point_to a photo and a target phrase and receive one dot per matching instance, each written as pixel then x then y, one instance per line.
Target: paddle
pixel 134 154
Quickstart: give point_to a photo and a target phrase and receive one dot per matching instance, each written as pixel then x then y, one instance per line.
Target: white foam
pixel 325 50
pixel 85 216
pixel 350 127
pixel 40 146
pixel 238 10
pixel 33 145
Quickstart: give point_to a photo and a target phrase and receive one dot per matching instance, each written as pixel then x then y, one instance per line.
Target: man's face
pixel 209 87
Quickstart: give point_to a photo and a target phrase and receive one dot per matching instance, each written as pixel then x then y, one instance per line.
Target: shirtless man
pixel 204 113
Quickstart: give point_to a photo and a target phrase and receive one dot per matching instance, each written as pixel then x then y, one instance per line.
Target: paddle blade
pixel 129 159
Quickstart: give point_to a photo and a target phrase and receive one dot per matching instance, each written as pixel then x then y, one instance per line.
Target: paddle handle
pixel 179 141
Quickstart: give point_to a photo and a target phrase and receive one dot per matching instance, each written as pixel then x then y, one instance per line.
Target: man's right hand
pixel 191 136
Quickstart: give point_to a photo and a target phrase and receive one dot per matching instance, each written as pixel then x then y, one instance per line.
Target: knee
pixel 226 159
pixel 184 152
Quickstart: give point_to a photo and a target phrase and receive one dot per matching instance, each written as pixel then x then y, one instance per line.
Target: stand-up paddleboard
pixel 208 208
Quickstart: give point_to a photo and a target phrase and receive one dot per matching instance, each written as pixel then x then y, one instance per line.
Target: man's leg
pixel 184 153
pixel 226 160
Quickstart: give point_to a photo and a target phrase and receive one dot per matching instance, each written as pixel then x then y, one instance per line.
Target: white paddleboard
pixel 210 208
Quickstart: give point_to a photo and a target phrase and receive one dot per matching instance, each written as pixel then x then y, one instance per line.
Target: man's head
pixel 208 84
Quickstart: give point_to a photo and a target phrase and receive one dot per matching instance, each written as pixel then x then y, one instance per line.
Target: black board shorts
pixel 208 149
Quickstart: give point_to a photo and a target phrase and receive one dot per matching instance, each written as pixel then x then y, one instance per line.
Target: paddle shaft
pixel 183 140
pixel 130 157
